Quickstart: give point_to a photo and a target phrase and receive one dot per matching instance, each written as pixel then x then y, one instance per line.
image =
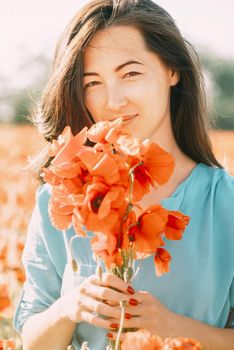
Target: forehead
pixel 115 43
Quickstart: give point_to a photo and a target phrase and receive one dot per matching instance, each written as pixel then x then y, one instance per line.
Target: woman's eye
pixel 131 74
pixel 92 83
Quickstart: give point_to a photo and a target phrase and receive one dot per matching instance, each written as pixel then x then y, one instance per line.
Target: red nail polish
pixel 109 335
pixel 130 290
pixel 133 302
pixel 128 316
pixel 114 325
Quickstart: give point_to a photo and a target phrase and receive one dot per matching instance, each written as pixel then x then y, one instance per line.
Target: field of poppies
pixel 17 188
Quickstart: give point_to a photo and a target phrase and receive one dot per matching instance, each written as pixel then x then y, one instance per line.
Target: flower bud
pixel 74 265
pixel 84 346
pixel 70 347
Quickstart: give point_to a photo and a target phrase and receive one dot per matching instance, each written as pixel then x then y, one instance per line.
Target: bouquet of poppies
pixel 99 187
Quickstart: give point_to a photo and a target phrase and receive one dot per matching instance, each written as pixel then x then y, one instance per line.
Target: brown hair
pixel 63 103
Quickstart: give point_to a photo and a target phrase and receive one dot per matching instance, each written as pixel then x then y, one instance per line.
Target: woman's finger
pixel 94 320
pixel 140 309
pixel 113 335
pixel 134 322
pixel 100 308
pixel 106 293
pixel 111 280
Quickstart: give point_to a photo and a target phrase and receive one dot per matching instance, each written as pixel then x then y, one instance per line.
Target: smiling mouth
pixel 125 117
pixel 129 118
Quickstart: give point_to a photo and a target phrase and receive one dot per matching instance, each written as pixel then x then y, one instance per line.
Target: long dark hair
pixel 63 101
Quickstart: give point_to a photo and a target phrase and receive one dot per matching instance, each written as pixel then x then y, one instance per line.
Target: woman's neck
pixel 164 137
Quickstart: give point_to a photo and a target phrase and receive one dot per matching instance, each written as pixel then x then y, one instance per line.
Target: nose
pixel 116 98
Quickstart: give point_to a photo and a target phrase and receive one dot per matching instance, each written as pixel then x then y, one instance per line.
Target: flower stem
pixel 124 218
pixel 117 344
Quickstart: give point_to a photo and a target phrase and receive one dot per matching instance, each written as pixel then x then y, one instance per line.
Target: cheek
pixel 94 102
pixel 157 94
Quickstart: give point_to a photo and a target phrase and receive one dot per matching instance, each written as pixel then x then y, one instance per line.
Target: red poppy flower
pixel 141 340
pixel 106 131
pixel 96 188
pixel 60 209
pixel 176 225
pixel 7 344
pixel 158 164
pixel 71 184
pixel 4 297
pixel 162 260
pixel 181 343
pixel 105 246
pixel 155 166
pixel 100 164
pixel 150 228
pixel 69 146
pixel 132 146
pixel 102 207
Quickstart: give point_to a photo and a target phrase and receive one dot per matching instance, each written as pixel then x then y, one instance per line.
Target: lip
pixel 126 118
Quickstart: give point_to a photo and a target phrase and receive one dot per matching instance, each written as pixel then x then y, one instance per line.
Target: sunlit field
pixel 17 189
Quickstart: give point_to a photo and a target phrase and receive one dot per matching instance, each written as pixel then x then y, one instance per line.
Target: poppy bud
pixel 74 265
pixel 70 347
pixel 84 346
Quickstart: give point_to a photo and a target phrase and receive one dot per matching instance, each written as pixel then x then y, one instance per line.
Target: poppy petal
pixel 159 163
pixel 176 225
pixel 162 260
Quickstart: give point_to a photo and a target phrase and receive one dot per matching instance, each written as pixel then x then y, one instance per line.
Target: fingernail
pixel 130 290
pixel 114 325
pixel 133 302
pixel 128 316
pixel 109 335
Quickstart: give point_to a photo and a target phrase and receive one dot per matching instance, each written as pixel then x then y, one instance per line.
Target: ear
pixel 174 77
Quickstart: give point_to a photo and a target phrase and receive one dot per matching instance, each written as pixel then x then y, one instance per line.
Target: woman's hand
pixel 97 302
pixel 149 314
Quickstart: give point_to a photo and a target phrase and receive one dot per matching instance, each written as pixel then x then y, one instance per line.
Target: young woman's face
pixel 123 79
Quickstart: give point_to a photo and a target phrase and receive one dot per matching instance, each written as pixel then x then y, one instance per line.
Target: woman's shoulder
pixel 220 195
pixel 218 178
pixel 212 188
pixel 223 188
pixel 221 181
pixel 43 194
pixel 40 216
pixel 42 197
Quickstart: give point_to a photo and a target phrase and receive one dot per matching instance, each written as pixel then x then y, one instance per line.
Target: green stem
pixel 130 205
pixel 117 344
pixel 129 208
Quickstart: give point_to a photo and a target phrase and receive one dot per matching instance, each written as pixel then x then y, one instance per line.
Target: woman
pixel 127 59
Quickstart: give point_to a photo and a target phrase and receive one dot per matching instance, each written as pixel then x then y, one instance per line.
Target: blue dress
pixel 199 285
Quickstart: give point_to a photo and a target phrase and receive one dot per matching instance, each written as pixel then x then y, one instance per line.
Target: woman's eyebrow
pixel 116 69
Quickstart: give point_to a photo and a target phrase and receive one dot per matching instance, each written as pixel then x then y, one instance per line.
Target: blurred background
pixel 29 31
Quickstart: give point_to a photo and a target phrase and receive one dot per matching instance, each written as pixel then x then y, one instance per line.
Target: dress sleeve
pixel 224 210
pixel 232 294
pixel 230 321
pixel 43 282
